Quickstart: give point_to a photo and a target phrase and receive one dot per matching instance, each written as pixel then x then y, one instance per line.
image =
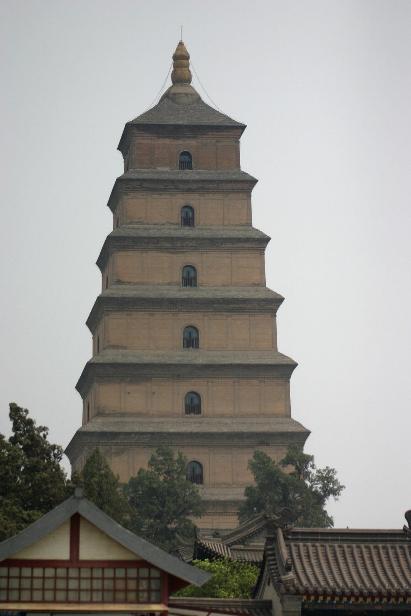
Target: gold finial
pixel 181 65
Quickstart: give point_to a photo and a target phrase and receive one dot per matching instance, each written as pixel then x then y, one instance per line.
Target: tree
pixel 294 491
pixel 163 500
pixel 103 487
pixel 230 580
pixel 31 479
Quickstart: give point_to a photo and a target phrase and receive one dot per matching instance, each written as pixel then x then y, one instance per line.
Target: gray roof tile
pixel 196 113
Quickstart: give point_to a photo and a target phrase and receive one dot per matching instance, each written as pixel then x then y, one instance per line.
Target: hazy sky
pixel 325 89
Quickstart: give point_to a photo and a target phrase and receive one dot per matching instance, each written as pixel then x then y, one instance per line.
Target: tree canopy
pixel 230 580
pixel 31 479
pixel 163 501
pixel 294 490
pixel 103 487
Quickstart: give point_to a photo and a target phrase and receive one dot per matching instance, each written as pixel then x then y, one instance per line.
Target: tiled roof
pixel 167 237
pixel 192 424
pixel 173 291
pixel 190 357
pixel 196 113
pixel 240 607
pixel 248 529
pixel 340 565
pixel 187 175
pixel 130 363
pixel 240 544
pixel 121 297
pixel 188 180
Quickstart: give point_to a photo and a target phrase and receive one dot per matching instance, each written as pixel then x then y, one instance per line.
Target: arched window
pixel 185 160
pixel 189 276
pixel 192 403
pixel 194 472
pixel 190 338
pixel 187 216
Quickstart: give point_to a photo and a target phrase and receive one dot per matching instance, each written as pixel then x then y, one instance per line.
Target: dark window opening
pixel 187 216
pixel 189 276
pixel 194 472
pixel 185 161
pixel 88 411
pixel 98 344
pixel 117 222
pixel 106 282
pixel 191 338
pixel 192 403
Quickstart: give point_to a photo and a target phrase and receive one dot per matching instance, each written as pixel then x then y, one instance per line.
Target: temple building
pixel 184 330
pixel 77 559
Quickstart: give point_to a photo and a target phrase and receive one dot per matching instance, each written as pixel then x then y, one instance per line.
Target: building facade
pixel 76 559
pixel 184 330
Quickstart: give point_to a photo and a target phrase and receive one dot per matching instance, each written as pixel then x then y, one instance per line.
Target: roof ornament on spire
pixel 181 65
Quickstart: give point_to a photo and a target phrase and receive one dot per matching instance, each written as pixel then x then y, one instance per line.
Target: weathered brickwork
pixel 137 387
pixel 214 209
pixel 208 152
pixel 214 267
pixel 165 398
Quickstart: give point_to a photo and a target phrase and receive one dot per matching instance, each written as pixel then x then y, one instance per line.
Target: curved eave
pixel 176 180
pixel 122 298
pixel 119 364
pixel 167 237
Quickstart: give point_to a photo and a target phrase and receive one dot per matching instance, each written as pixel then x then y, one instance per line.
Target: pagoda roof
pixel 194 112
pixel 137 236
pixel 121 363
pixel 126 422
pixel 187 180
pixel 192 356
pixel 181 105
pixel 186 175
pixel 126 427
pixel 166 297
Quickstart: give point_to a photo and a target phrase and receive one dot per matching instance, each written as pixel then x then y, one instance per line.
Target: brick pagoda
pixel 184 330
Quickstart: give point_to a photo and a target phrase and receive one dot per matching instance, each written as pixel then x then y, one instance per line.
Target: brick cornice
pixel 120 365
pixel 87 440
pixel 178 242
pixel 107 304
pixel 180 182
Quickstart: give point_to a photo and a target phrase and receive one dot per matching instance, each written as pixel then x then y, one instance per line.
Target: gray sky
pixel 325 89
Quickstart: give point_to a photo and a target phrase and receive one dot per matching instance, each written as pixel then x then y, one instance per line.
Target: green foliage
pixel 294 491
pixel 163 500
pixel 103 488
pixel 31 479
pixel 230 580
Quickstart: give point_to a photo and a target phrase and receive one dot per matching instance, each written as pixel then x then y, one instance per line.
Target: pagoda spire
pixel 181 65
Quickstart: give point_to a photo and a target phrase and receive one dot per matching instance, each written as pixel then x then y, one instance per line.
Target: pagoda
pixel 184 330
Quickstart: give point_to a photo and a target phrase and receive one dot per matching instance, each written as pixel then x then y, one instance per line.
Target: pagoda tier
pixel 184 330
